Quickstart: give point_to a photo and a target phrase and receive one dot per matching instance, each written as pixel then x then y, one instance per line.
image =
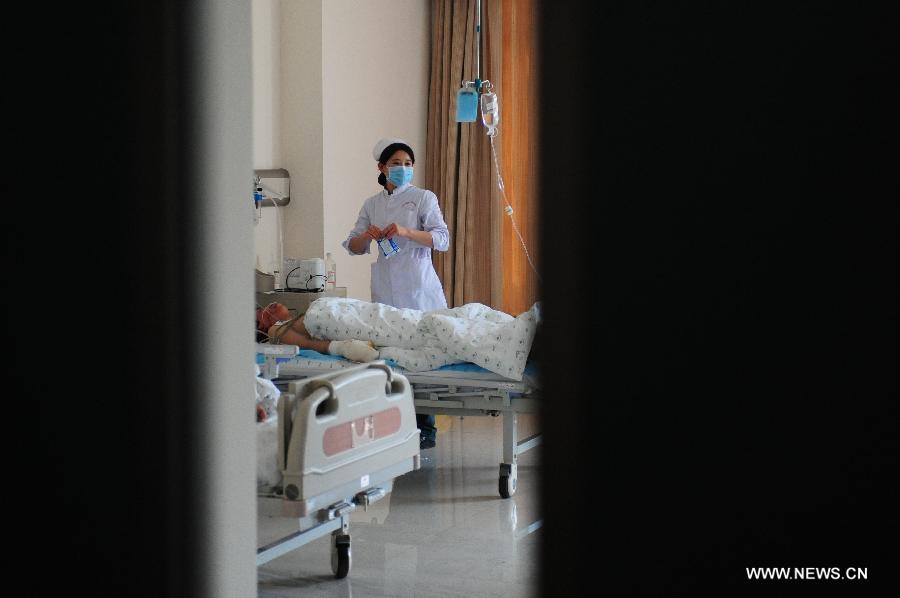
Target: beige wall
pixel 377 57
pixel 266 83
pixel 347 73
pixel 266 39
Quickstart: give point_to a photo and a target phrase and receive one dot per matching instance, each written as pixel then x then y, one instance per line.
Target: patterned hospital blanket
pixel 421 341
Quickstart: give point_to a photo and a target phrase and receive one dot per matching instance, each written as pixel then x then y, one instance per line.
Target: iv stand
pixel 477 81
pixel 478 45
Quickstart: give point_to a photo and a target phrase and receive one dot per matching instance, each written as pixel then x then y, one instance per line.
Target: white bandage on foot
pixel 354 350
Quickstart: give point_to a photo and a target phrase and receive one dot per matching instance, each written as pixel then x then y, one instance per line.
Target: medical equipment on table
pixel 462 389
pixel 306 274
pixel 330 273
pixel 342 439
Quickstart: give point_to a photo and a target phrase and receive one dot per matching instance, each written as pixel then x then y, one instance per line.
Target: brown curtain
pixel 486 262
pixel 459 168
pixel 519 156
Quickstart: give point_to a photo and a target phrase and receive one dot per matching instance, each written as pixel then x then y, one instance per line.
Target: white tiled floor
pixel 443 531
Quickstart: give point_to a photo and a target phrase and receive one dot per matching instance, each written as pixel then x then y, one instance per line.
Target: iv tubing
pixel 509 209
pixel 491 133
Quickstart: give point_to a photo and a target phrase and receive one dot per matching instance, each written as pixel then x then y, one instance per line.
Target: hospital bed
pixel 461 389
pixel 342 438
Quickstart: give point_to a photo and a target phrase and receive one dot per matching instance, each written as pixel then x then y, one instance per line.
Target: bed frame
pixel 449 392
pixel 343 437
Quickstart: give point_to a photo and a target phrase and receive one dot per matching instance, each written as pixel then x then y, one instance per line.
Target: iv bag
pixel 490 110
pixel 466 104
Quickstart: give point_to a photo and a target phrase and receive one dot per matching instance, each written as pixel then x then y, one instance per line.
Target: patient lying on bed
pixel 416 340
pixel 277 325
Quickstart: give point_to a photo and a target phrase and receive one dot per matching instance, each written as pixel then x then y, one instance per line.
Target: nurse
pixel 412 218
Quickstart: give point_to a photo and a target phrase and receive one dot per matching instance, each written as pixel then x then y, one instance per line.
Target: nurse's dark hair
pixel 386 155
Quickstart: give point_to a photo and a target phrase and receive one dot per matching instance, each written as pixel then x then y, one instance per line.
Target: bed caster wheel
pixel 340 555
pixel 507 486
pixel 508 479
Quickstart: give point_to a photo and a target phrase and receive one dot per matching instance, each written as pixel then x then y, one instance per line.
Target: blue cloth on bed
pixel 310 354
pixel 456 367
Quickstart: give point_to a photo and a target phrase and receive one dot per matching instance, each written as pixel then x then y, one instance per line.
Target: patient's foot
pixel 354 350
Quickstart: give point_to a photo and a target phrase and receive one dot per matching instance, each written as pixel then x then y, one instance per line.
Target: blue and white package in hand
pixel 388 247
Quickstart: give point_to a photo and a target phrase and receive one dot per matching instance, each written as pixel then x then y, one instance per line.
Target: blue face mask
pixel 400 175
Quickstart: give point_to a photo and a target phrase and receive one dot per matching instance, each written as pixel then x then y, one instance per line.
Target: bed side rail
pixel 342 426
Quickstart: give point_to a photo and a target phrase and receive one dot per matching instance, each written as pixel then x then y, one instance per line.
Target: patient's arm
pixel 296 334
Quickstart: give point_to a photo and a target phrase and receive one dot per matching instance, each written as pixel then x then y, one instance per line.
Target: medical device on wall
pixel 304 274
pixel 272 187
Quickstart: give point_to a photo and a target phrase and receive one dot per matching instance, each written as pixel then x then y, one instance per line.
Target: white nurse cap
pixel 379 147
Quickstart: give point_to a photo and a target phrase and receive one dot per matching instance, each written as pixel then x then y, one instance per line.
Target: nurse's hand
pixel 395 230
pixel 373 232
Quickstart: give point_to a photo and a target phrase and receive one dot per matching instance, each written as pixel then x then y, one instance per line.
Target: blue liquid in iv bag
pixel 466 105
